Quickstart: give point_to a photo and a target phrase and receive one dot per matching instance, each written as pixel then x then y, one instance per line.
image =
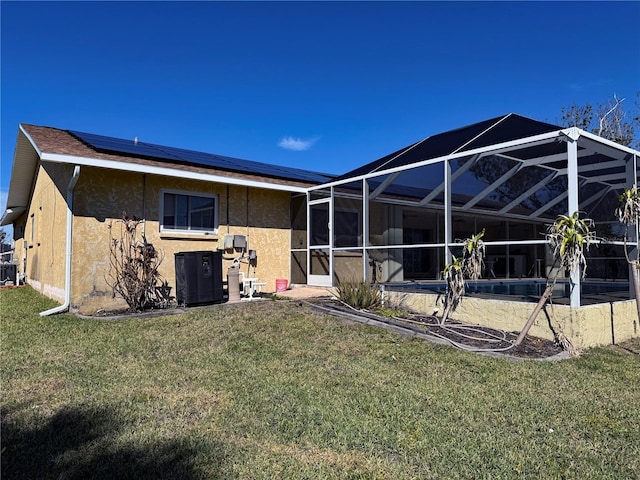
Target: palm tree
pixel 569 237
pixel 628 213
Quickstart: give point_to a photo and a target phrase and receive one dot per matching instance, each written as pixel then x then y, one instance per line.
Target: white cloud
pixel 297 144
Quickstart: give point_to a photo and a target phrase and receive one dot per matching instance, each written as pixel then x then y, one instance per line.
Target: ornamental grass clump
pixel 359 295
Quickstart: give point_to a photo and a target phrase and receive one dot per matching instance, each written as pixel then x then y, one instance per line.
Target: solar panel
pixel 124 147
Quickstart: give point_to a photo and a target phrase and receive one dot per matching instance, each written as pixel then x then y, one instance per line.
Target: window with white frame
pixel 188 212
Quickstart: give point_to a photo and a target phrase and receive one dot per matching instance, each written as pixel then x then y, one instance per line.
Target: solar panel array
pixel 134 148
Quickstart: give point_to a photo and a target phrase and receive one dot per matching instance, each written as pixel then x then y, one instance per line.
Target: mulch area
pixel 464 336
pixel 483 338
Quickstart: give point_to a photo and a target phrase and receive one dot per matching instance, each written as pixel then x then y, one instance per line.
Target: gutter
pixel 67 278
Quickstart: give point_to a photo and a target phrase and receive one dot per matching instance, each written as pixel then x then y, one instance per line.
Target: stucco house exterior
pixel 396 220
pixel 64 193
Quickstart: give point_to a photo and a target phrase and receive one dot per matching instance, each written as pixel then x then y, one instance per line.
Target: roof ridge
pixel 499 120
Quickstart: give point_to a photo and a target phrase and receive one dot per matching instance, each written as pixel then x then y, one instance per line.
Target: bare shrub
pixel 133 266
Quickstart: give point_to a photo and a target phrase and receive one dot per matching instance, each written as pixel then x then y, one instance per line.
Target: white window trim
pixel 216 207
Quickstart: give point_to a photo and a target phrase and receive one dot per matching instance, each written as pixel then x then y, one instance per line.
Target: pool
pixel 519 288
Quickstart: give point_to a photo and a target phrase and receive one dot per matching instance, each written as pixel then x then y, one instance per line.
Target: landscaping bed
pixel 475 338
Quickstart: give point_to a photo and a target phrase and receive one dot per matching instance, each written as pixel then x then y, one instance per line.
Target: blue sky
pixel 325 86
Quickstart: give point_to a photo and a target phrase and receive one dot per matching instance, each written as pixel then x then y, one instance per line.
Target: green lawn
pixel 271 389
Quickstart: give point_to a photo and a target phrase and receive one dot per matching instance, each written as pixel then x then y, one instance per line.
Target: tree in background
pixel 608 120
pixel 580 116
pixel 612 122
pixel 4 247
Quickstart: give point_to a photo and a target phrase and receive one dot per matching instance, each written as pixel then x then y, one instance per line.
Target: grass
pixel 275 390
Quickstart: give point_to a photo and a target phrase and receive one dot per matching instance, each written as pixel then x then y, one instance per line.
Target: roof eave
pixel 25 162
pixel 10 215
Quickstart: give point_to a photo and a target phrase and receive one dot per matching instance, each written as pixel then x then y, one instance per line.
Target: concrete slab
pixel 304 291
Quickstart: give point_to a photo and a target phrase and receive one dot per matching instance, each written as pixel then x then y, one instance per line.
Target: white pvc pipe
pixel 67 277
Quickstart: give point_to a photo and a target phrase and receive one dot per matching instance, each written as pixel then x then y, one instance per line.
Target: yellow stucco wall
pixel 347 267
pixel 101 196
pixel 40 249
pixel 585 327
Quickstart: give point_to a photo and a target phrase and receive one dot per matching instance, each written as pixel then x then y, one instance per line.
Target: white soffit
pixel 25 162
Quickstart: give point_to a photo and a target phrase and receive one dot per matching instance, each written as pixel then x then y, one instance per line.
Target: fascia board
pixel 33 144
pixel 163 171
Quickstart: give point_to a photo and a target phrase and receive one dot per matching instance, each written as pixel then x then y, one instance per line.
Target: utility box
pixel 198 277
pixel 7 273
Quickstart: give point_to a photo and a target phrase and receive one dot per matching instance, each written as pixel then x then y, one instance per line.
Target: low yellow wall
pixel 585 327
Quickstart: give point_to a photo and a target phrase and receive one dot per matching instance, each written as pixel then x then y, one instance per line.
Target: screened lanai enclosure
pixel 401 218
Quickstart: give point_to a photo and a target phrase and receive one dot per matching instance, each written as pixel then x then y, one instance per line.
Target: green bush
pixel 359 295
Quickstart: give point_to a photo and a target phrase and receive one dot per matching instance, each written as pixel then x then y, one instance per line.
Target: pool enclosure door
pixel 320 258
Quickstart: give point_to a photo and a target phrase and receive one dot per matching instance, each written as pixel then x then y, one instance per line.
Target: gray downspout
pixel 67 277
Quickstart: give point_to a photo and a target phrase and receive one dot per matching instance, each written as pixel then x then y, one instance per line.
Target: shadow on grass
pixel 80 443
